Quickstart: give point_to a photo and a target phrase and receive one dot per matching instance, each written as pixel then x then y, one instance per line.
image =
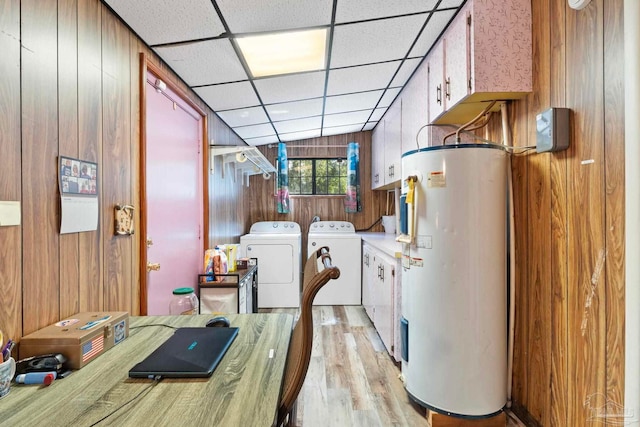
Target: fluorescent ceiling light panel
pixel 284 53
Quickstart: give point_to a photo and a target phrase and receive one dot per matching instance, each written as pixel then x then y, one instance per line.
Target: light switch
pixel 9 213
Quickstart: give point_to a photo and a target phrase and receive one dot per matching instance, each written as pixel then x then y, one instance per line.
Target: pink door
pixel 173 196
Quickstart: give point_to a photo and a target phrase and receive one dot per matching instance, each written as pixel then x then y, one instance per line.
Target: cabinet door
pixel 415 110
pixel 393 142
pixel 384 301
pixel 435 80
pixel 368 279
pixel 457 60
pixel 377 155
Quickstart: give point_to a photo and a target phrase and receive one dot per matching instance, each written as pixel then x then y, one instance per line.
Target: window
pixel 317 176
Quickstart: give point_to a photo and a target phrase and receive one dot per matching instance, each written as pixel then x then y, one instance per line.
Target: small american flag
pixel 92 348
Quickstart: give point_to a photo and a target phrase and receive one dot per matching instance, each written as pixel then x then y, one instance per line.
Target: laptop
pixel 188 353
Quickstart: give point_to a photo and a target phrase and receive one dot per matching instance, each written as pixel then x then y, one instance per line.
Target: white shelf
pixel 240 160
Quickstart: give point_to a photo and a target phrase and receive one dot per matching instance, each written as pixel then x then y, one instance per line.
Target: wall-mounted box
pixel 552 130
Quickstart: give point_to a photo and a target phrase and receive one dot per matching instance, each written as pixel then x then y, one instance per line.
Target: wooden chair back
pixel 302 337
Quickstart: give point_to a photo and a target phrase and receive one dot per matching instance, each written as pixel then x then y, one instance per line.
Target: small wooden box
pixel 80 338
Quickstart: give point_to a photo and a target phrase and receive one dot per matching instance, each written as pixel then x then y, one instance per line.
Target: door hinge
pixel 469 20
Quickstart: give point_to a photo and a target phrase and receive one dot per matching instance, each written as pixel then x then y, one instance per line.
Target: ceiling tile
pixel 450 3
pixel 291 87
pixel 254 131
pixel 374 54
pixel 160 21
pixel 359 79
pixel 406 69
pixel 432 31
pixel 295 110
pixel 262 140
pixel 389 96
pixel 202 63
pixel 295 136
pixel 298 125
pixel 326 131
pixel 377 114
pixel 342 119
pixel 228 96
pixel 250 16
pixel 244 116
pixel 356 10
pixel 352 102
pixel 374 41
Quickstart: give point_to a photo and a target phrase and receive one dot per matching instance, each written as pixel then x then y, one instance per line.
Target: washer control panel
pixel 278 227
pixel 332 227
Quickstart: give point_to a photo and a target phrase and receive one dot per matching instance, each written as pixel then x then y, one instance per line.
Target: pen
pixel 93 323
pixel 7 350
pixel 6 353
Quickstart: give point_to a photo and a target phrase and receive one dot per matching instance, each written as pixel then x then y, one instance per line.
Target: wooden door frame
pixel 147 65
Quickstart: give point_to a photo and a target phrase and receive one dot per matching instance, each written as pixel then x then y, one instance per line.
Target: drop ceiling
pixel 374 46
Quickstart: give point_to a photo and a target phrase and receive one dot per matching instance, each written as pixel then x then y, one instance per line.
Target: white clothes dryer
pixel 345 247
pixel 278 247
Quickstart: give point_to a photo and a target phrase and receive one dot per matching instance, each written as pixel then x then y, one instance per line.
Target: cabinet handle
pixel 448 89
pixel 439 94
pixel 382 273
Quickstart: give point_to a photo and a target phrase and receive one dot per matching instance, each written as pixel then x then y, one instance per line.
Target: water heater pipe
pixel 506 136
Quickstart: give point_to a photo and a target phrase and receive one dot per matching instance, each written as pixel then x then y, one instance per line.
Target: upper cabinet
pixel 485 54
pixel 415 110
pixel 393 142
pixel 377 156
pixel 386 142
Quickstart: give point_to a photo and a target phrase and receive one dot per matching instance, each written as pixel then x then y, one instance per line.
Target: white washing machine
pixel 345 247
pixel 277 245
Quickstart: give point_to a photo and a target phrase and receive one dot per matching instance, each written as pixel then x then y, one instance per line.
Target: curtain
pixel 352 202
pixel 283 179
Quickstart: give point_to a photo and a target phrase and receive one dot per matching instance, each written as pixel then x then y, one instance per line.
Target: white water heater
pixel 454 280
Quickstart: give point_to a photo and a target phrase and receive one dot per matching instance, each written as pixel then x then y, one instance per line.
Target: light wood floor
pixel 352 381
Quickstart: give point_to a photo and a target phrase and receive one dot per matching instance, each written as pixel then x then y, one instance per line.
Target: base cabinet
pixel 380 295
pixel 368 277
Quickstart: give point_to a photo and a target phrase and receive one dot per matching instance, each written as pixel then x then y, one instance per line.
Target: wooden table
pixel 244 390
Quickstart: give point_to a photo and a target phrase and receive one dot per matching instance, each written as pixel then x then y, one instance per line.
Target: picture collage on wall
pixel 78 177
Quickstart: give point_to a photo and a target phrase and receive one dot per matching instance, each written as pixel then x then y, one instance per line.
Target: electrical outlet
pixel 552 130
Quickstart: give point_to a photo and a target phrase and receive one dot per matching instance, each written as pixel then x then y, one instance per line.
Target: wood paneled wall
pixel 260 202
pixel 73 89
pixel 569 346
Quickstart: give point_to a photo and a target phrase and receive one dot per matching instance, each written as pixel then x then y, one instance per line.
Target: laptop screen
pixel 188 353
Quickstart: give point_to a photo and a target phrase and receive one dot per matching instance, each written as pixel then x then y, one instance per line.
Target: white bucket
pixel 389 224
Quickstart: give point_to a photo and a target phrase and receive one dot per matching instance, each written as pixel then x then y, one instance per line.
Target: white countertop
pixel 385 242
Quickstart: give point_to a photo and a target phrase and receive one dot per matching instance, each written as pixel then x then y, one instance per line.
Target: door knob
pixel 155 266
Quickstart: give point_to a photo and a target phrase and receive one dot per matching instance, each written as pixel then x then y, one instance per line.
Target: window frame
pixel 314 176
